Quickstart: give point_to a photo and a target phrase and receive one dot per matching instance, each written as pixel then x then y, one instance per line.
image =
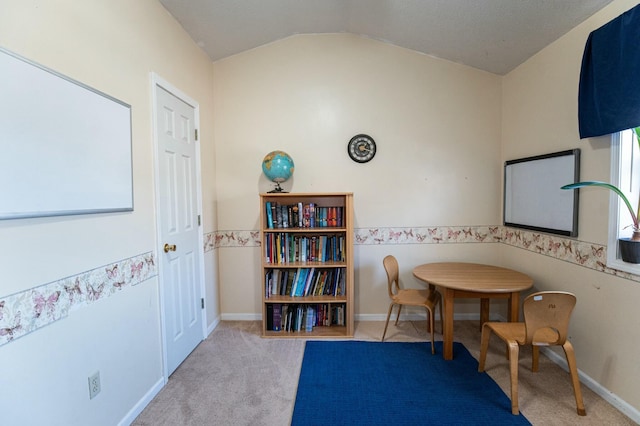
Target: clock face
pixel 361 148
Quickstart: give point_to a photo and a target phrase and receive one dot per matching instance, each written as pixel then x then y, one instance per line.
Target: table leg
pixel 484 311
pixel 447 332
pixel 433 289
pixel 514 305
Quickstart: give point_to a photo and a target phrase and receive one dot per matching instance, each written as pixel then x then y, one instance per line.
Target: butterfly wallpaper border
pixel 582 253
pixel 27 311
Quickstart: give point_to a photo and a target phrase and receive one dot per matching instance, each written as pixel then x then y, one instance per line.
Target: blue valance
pixel 609 91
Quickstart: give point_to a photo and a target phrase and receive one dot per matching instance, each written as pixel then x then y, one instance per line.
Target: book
pixel 306 216
pixel 291 291
pixel 268 283
pixel 287 247
pixel 300 216
pixel 303 250
pixel 300 313
pixel 270 316
pixel 275 282
pixel 301 281
pixel 290 277
pixel 322 216
pixel 269 215
pixel 308 281
pixel 284 276
pixel 310 322
pixel 313 253
pixel 312 215
pixel 283 216
pixel 337 279
pixel 277 316
pixel 278 253
pixel 285 318
pixel 274 215
pixel 295 218
pixel 331 219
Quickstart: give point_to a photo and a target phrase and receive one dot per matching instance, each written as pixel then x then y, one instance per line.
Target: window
pixel 625 174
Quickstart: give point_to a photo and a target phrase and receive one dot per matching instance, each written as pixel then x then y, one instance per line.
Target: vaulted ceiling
pixel 492 35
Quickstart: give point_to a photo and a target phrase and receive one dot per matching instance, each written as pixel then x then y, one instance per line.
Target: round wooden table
pixel 473 280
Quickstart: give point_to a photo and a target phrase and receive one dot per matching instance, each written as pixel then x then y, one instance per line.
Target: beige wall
pixel 443 132
pixel 113 46
pixel 436 125
pixel 540 116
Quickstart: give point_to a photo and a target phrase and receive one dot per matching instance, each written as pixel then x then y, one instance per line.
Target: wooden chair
pixel 428 298
pixel 546 322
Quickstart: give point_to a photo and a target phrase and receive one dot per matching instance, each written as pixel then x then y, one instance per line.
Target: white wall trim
pixel 241 317
pixel 213 325
pixel 603 392
pixel 142 403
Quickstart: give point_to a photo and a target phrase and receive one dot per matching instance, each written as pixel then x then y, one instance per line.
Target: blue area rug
pixel 391 383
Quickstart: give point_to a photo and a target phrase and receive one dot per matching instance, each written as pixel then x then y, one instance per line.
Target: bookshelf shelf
pixel 307 264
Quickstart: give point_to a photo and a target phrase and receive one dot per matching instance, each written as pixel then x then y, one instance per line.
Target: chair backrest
pixel 391 266
pixel 546 317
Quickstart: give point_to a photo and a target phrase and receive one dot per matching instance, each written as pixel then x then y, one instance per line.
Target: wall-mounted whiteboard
pixel 532 195
pixel 65 148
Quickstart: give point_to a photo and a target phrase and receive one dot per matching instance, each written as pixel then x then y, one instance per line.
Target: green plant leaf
pixel 577 185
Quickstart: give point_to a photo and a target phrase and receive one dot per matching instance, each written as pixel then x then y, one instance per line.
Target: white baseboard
pixel 213 325
pixel 241 317
pixel 603 392
pixel 140 405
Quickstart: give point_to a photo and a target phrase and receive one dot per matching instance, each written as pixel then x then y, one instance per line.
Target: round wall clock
pixel 361 148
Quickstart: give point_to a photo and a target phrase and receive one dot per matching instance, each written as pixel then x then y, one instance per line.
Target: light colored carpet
pixel 235 377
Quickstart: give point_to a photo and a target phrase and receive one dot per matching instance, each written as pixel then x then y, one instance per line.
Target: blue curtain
pixel 609 91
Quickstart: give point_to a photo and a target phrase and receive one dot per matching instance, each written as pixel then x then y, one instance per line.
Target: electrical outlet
pixel 94 384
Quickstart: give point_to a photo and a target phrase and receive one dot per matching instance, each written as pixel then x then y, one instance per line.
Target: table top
pixel 473 277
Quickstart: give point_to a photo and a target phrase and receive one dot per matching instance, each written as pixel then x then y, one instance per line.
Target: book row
pixel 301 215
pixel 304 282
pixel 284 248
pixel 304 317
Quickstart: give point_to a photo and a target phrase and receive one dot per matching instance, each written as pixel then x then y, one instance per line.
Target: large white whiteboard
pixel 532 195
pixel 65 148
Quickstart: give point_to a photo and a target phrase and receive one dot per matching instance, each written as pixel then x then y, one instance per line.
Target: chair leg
pixel 441 309
pixel 513 367
pixel 535 356
pixel 484 346
pixel 398 317
pixel 387 323
pixel 573 370
pixel 431 325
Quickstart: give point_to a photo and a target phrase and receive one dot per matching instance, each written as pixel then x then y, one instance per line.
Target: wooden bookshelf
pixel 307 264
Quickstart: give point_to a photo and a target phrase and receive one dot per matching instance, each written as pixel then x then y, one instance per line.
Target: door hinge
pixel 202 302
pixel 196 134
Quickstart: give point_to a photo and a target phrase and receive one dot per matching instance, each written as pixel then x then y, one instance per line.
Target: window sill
pixel 619 265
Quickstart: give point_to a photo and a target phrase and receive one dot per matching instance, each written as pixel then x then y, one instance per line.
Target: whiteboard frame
pixel 115 194
pixel 533 199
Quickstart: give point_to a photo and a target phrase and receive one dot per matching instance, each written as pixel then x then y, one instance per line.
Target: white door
pixel 179 252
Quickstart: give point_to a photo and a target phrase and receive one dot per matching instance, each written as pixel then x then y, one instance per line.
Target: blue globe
pixel 277 166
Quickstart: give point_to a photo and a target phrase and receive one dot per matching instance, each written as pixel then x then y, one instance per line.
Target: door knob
pixel 168 248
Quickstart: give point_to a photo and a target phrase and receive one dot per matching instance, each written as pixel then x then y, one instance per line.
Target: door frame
pixel 156 82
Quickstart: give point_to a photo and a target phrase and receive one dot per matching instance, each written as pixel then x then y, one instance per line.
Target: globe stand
pixel 277 189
